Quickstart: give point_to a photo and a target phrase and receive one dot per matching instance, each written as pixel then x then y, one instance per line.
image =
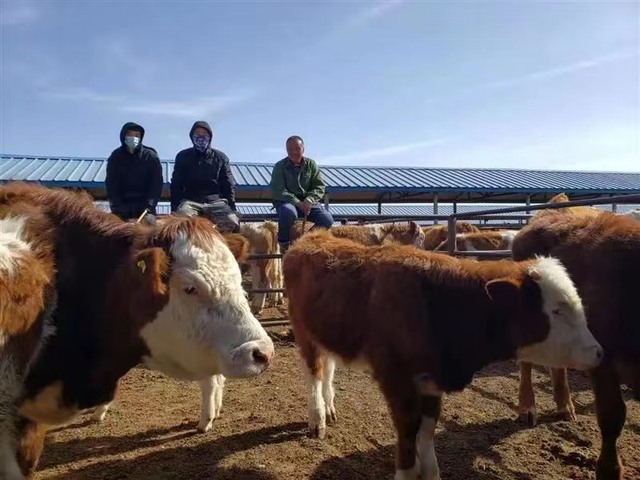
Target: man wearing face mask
pixel 202 182
pixel 134 176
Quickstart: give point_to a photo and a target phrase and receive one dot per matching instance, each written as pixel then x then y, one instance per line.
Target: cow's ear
pixel 504 292
pixel 413 226
pixel 151 274
pixel 238 245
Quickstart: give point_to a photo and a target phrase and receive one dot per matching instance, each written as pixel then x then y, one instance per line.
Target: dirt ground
pixel 150 431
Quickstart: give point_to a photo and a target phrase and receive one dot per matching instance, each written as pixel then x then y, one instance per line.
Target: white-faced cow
pixel 84 297
pixel 602 254
pixel 424 323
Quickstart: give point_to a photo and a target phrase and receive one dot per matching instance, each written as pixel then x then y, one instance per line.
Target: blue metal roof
pixel 91 173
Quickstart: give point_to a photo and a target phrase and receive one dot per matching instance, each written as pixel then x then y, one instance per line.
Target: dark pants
pixel 288 214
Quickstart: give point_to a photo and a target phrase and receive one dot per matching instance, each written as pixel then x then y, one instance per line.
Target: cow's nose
pixel 262 357
pixel 600 354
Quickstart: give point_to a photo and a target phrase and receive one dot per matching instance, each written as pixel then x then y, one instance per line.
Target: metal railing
pixel 452 247
pixel 484 215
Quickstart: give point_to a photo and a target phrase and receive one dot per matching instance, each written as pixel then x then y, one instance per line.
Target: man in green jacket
pixel 297 188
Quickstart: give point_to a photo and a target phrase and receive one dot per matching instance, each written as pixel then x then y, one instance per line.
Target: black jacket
pixel 202 176
pixel 134 180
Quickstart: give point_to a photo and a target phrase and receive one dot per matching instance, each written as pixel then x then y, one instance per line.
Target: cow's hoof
pixel 331 415
pixel 530 418
pixel 318 432
pixel 567 416
pixel 204 427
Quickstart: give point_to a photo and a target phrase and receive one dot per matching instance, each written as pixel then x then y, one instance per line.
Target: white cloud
pixel 189 108
pixel 17 12
pixel 560 70
pixel 386 151
pixel 369 14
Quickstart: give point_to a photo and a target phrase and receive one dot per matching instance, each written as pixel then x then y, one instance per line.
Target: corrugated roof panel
pixel 385 179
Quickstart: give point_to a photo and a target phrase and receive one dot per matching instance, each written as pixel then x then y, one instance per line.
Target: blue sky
pixel 546 84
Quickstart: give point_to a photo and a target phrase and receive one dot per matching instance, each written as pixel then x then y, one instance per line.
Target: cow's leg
pixel 217 394
pixel 328 392
pixel 430 406
pixel 404 405
pixel 314 369
pixel 100 412
pixel 209 409
pixel 9 467
pixel 527 398
pixel 611 413
pixel 257 304
pixel 10 388
pixel 562 394
pixel 31 445
pixel 279 282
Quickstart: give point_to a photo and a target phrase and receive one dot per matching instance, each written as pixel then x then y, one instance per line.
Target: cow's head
pixel 410 234
pixel 205 325
pixel 547 320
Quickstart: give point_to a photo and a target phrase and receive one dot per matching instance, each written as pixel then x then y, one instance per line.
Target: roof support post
pixel 435 207
pixel 326 201
pixel 528 202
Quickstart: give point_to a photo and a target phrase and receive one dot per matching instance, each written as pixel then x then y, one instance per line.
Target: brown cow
pixel 84 297
pixel 424 323
pixel 602 254
pixel 267 273
pixel 436 234
pixel 372 234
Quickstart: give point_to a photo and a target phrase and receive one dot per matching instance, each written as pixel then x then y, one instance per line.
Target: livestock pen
pixel 150 432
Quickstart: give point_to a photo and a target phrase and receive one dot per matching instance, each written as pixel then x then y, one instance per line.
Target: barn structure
pixel 358 191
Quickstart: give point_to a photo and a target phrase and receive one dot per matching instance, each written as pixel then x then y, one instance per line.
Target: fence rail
pixel 506 213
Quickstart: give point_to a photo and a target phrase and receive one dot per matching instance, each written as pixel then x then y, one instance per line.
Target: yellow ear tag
pixel 142 265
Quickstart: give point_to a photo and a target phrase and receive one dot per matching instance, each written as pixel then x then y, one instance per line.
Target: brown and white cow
pixel 602 255
pixel 267 273
pixel 489 240
pixel 424 323
pixel 436 234
pixel 84 297
pixel 408 233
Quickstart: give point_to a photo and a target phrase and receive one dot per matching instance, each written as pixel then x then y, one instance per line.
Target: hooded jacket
pixel 134 180
pixel 202 176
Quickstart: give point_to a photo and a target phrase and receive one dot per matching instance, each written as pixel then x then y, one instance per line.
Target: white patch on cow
pixel 376 230
pixel 207 326
pixel 425 447
pixel 463 244
pixel 12 245
pixel 569 342
pixel 418 239
pixel 507 238
pixel 316 407
pixel 211 389
pixel 328 392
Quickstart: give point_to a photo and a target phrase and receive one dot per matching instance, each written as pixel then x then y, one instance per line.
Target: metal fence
pixel 510 213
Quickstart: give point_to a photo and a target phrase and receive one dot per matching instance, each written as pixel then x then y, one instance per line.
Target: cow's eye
pixel 557 312
pixel 190 290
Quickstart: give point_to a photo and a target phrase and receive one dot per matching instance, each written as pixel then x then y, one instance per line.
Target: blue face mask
pixel 131 142
pixel 201 142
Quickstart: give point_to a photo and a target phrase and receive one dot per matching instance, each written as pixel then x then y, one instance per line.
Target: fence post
pixel 451 235
pixel 435 207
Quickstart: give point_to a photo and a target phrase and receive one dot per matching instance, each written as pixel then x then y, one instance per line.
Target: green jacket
pixel 291 187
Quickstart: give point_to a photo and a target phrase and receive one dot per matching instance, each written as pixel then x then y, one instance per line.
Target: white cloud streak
pixel 17 12
pixel 559 71
pixel 188 108
pixel 386 151
pixel 371 13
